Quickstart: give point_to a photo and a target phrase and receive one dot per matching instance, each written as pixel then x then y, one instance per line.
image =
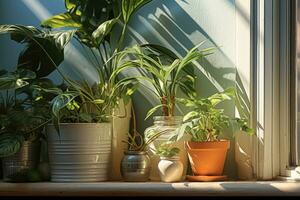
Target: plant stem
pixel 165 107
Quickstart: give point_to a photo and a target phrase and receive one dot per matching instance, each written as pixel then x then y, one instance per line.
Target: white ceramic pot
pixel 169 125
pixel 170 169
pixel 81 153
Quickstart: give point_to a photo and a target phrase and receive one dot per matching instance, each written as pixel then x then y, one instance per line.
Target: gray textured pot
pixel 81 153
pixel 16 167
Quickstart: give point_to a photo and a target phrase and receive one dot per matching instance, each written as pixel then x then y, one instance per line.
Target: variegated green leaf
pixel 130 6
pixel 103 30
pixel 61 20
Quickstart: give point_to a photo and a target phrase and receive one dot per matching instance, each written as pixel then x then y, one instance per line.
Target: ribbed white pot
pixel 81 153
pixel 170 169
pixel 120 124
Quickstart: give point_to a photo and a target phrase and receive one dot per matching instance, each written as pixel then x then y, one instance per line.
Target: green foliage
pixel 15 80
pixel 103 30
pixel 43 51
pixel 93 22
pixel 166 72
pixel 61 20
pixel 25 92
pixel 166 150
pixel 205 122
pixel 137 142
pixel 10 143
pixel 130 6
pixel 24 110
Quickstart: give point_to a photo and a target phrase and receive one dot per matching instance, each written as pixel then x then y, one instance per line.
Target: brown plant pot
pixel 207 158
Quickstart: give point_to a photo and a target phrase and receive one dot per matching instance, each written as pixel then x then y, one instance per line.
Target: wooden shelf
pixel 230 188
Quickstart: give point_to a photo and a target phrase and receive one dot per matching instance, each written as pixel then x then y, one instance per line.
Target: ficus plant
pixel 206 121
pixel 165 72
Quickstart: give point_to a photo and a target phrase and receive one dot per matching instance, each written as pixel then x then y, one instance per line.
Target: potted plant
pixel 100 27
pixel 170 167
pixel 165 72
pixel 26 102
pixel 24 112
pixel 43 53
pixel 136 164
pixel 205 124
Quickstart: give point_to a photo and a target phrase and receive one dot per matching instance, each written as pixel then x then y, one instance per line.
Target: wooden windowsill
pixel 229 188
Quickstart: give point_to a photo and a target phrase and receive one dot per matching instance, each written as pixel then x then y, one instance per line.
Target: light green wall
pixel 177 24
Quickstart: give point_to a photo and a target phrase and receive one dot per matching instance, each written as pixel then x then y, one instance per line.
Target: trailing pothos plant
pixel 164 71
pixel 206 122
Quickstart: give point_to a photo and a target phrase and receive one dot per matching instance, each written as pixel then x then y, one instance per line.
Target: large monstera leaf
pixel 44 51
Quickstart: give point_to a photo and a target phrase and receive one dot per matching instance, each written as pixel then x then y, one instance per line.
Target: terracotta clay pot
pixel 207 158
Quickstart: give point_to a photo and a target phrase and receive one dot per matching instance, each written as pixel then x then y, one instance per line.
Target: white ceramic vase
pixel 170 169
pixel 168 125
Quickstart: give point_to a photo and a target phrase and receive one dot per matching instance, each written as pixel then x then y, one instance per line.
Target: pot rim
pixel 135 152
pixel 169 158
pixel 162 117
pixel 188 148
pixel 217 141
pixel 65 124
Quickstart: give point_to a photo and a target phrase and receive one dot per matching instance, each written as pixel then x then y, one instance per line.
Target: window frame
pixel 289 163
pixel 273 115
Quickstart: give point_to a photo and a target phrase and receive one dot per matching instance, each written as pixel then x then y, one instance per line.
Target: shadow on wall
pixel 167 23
